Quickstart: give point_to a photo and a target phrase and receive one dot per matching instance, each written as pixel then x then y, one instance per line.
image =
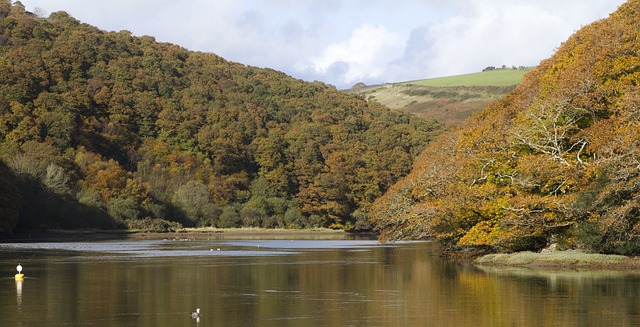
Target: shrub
pixel 123 208
pixel 229 217
pixel 148 224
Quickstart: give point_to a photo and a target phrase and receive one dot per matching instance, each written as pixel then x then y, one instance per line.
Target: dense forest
pixel 555 162
pixel 106 130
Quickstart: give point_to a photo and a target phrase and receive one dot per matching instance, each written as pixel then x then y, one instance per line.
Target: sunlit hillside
pixel 449 100
pixel 489 77
pixel 553 162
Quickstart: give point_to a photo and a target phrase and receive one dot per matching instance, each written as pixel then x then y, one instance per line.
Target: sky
pixel 344 42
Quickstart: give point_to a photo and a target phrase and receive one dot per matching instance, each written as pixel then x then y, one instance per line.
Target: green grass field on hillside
pixel 498 77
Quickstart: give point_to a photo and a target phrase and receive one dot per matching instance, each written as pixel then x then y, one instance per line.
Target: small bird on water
pixel 196 315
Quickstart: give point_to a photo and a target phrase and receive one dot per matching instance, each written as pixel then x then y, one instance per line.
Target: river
pixel 335 282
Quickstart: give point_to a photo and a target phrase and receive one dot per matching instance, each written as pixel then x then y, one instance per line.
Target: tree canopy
pixel 105 129
pixel 555 161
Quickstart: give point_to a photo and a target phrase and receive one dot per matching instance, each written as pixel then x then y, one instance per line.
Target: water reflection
pixel 19 293
pixel 605 297
pixel 301 283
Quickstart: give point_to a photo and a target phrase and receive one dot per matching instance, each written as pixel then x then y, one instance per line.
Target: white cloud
pixel 514 35
pixel 492 34
pixel 363 56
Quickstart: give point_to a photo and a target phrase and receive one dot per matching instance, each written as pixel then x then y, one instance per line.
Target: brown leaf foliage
pixel 556 160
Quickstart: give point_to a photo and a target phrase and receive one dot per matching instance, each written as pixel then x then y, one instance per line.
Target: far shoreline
pixel 206 232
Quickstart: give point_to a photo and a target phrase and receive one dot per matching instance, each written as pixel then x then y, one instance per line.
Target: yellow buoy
pixel 19 276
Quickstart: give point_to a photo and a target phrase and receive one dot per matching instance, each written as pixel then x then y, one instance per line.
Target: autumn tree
pixel 554 161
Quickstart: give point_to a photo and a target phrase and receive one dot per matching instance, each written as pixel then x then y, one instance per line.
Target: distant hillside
pixel 449 100
pixel 106 130
pixel 491 77
pixel 554 162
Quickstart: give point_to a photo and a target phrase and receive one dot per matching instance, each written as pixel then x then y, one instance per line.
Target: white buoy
pixel 19 268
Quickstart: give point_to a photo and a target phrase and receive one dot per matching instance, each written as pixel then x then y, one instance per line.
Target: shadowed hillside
pixel 555 161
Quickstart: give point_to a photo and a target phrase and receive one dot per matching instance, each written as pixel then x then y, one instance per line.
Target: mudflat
pixel 567 259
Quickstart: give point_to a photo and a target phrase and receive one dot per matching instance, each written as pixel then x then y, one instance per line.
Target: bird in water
pixel 196 315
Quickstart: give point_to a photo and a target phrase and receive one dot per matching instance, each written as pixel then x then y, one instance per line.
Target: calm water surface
pixel 294 283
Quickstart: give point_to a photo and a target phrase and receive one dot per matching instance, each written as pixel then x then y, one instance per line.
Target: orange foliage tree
pixel 555 161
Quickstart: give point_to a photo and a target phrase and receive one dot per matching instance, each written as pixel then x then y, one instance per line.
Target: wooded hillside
pixel 105 130
pixel 555 161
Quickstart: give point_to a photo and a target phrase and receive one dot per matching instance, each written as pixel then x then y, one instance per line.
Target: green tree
pixel 10 200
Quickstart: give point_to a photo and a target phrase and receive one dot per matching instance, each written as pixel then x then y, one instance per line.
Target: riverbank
pixel 569 259
pixel 252 233
pixel 190 233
